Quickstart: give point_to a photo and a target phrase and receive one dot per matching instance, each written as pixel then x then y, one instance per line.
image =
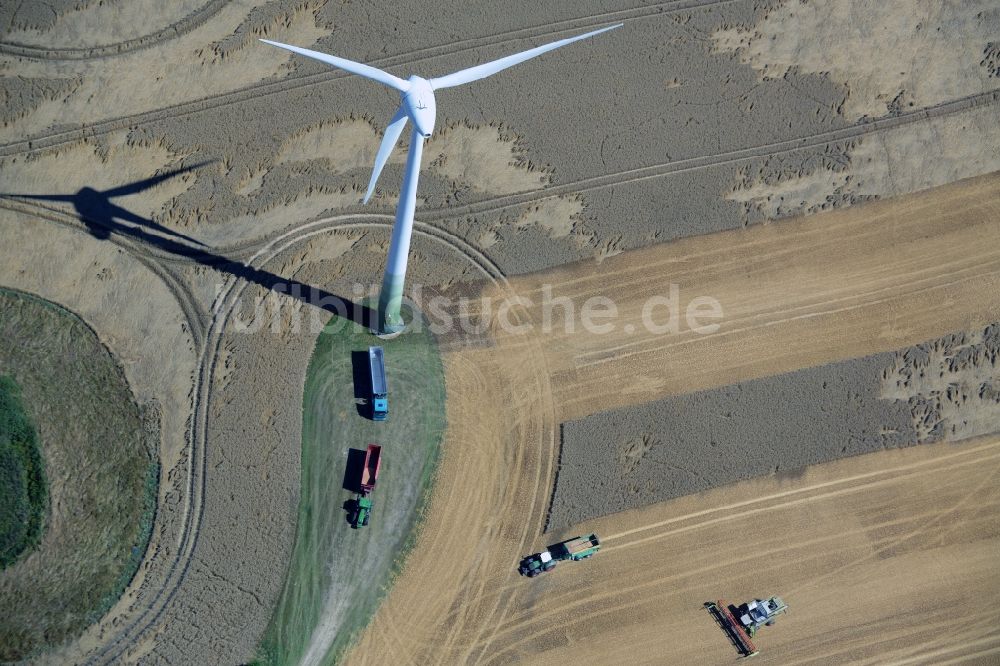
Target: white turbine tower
pixel 418 105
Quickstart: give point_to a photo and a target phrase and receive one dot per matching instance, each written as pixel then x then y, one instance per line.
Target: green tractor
pixel 362 511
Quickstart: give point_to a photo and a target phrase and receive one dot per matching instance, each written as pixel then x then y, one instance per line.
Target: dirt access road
pixel 907 550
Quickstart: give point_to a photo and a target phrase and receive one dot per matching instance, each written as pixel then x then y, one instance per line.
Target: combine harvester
pixel 369 475
pixel 577 548
pixel 752 615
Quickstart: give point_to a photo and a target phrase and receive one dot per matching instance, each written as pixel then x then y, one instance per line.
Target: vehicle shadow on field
pixel 362 383
pixel 103 218
pixel 352 471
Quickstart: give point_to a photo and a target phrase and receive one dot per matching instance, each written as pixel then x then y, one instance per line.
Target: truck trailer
pixel 379 398
pixel 369 473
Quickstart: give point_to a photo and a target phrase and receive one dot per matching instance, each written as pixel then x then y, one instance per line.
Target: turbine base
pixel 390 300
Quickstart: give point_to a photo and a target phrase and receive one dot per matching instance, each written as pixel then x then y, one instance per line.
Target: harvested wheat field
pixel 721 285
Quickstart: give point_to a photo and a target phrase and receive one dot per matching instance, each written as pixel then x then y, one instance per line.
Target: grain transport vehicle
pixel 362 508
pixel 380 398
pixel 577 548
pixel 369 473
pixel 362 512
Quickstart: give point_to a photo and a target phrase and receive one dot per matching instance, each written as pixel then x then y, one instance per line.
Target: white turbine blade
pixel 366 71
pixel 392 133
pixel 482 71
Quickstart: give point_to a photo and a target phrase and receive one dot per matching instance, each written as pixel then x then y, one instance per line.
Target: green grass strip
pixel 23 487
pixel 337 576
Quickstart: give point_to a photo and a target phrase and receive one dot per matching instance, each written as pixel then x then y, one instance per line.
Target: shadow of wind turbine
pixel 103 218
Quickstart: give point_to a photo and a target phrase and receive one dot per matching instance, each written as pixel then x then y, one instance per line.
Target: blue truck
pixel 380 398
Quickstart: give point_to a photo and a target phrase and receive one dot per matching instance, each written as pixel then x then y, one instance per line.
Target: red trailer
pixel 369 473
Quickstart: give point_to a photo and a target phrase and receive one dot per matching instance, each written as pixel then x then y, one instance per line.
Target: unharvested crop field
pixel 679 445
pixel 826 172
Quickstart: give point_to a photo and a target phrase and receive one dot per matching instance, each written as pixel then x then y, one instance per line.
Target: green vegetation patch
pixel 23 494
pixel 338 576
pixel 99 452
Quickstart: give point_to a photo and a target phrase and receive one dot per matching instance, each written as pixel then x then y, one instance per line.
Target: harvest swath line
pixel 888 472
pixel 540 495
pixel 781 316
pixel 909 535
pixel 902 472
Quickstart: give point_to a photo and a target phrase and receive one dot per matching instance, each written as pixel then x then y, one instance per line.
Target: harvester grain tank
pixel 366 484
pixel 575 549
pixel 757 613
pixel 380 397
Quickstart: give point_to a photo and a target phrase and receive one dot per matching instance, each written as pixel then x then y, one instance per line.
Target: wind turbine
pixel 417 104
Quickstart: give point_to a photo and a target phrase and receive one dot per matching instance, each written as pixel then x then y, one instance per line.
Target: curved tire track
pixel 210 351
pixel 188 539
pixel 193 314
pixel 193 20
pixel 59 137
pixel 525 627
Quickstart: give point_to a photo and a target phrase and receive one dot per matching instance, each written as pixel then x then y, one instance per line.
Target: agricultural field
pixel 721 285
pixel 337 576
pixel 89 483
pixel 23 490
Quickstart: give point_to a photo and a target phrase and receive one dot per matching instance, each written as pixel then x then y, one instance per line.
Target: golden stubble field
pixel 881 557
pixel 756 112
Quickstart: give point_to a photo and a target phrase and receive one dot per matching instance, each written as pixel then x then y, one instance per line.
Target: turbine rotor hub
pixel 420 105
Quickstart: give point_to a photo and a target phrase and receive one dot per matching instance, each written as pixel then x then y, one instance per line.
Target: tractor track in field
pixel 194 318
pixel 56 138
pixel 209 338
pixel 185 25
pixel 210 345
pixel 239 251
pixel 194 315
pixel 706 161
pixel 521 626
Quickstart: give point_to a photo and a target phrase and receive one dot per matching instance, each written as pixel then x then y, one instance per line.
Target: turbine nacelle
pixel 420 106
